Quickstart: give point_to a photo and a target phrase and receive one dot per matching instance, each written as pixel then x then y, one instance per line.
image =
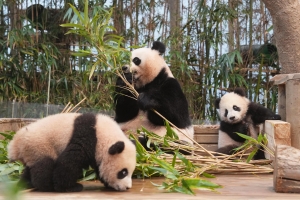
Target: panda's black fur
pixel 126 107
pixel 55 149
pixel 158 90
pixel 239 115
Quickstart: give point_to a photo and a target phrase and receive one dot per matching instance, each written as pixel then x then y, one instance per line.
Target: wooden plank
pixel 198 129
pixel 233 187
pixel 206 138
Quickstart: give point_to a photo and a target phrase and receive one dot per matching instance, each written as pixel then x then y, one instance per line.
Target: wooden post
pixel 277 132
pixel 289 103
pixel 286 175
pixel 293 109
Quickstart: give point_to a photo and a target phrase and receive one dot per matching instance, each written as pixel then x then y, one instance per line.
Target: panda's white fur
pixel 150 72
pixel 49 137
pixel 151 65
pixel 228 101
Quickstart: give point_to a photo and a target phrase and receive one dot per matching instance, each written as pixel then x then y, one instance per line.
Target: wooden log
pixel 277 132
pixel 286 175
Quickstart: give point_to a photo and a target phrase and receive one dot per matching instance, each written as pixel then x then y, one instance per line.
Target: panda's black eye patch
pixel 122 174
pixel 236 108
pixel 136 61
pixel 226 113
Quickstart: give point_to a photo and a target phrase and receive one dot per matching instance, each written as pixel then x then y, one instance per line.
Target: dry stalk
pixel 69 107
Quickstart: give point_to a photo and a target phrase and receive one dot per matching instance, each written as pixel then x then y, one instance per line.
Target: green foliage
pixel 254 145
pixel 94 30
pixel 177 173
pixel 8 171
pixel 11 190
pixel 229 75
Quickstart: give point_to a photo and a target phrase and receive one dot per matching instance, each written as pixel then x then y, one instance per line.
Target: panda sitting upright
pixel 239 115
pixel 158 90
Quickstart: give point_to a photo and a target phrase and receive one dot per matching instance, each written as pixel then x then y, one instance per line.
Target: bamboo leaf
pixel 185 188
pixel 165 165
pixel 7 171
pixel 207 175
pixel 77 13
pixel 251 155
pixel 196 183
pixel 246 137
pixel 86 12
pixel 92 176
pixel 188 164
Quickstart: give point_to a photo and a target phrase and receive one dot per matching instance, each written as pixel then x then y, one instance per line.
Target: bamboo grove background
pixel 213 46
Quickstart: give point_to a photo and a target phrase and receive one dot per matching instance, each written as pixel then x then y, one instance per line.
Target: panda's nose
pixel 232 118
pixel 124 68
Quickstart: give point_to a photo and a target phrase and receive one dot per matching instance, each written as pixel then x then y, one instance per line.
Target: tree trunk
pixel 174 7
pixel 286 17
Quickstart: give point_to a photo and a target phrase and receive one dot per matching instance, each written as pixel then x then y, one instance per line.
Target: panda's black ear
pixel 116 148
pixel 158 46
pixel 240 91
pixel 217 103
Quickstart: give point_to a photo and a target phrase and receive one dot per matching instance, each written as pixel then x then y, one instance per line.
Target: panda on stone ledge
pixel 239 115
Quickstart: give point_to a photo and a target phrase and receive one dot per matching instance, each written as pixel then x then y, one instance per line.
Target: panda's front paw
pixel 142 101
pixel 145 102
pixel 245 128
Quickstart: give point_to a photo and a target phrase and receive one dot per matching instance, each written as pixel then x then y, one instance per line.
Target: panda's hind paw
pixel 76 188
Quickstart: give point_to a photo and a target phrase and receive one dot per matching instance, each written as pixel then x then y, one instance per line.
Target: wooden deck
pixel 234 187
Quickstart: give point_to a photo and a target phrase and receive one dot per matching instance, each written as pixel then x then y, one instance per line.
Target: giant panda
pixel 239 115
pixel 56 148
pixel 158 90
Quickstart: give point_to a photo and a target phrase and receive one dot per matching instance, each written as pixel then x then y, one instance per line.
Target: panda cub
pixel 239 115
pixel 56 148
pixel 158 90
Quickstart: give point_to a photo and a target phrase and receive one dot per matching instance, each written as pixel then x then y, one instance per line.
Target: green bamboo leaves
pixel 96 32
pixel 254 145
pixel 179 173
pixel 8 171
